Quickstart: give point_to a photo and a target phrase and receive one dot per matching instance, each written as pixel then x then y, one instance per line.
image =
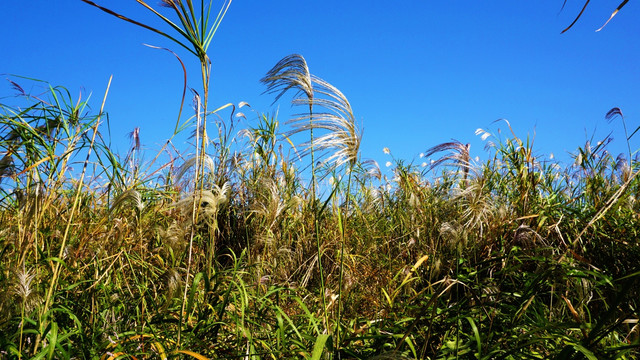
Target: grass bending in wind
pixel 518 256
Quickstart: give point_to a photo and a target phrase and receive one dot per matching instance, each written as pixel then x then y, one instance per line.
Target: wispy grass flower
pixel 342 134
pixel 290 73
pixel 458 155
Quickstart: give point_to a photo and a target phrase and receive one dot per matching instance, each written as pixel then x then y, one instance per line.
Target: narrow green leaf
pixel 476 334
pixel 53 340
pixel 193 291
pixel 318 347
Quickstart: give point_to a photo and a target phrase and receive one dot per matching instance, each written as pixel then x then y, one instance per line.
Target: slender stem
pixel 194 219
pixel 204 67
pixel 322 288
pixel 313 160
pixel 343 227
pixel 314 204
pixel 201 139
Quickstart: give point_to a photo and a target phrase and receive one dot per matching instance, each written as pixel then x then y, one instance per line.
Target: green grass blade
pixel 318 347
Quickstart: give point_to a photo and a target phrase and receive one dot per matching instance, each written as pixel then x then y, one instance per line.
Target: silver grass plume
pixel 21 295
pixel 22 287
pixel 477 203
pixel 169 284
pixel 343 135
pixel 455 234
pixel 132 196
pixel 174 237
pixel 207 202
pixel 292 72
pixel 190 162
pixel 269 205
pixel 458 156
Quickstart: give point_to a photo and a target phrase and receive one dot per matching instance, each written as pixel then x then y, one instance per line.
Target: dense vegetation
pixel 248 246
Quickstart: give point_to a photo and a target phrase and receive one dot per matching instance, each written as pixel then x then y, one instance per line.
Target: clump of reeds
pixel 237 253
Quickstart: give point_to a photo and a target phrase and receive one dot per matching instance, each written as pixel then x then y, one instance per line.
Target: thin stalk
pixel 205 71
pixel 322 287
pixel 343 226
pixel 313 160
pixel 316 215
pixel 194 218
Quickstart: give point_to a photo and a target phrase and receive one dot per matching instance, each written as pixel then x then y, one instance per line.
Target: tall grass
pixel 235 253
pixel 513 257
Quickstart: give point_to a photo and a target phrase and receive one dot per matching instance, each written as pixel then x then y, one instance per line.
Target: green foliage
pixel 514 257
pixel 233 253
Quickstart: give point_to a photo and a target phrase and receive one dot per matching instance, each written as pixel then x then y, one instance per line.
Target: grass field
pixel 247 246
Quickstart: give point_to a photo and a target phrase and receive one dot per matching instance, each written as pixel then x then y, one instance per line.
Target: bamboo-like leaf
pixel 122 17
pixel 476 334
pixel 216 23
pixel 577 17
pixel 184 85
pixel 622 4
pixel 187 31
pixel 615 12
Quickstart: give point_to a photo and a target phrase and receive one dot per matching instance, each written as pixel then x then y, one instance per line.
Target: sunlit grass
pixel 508 258
pixel 234 249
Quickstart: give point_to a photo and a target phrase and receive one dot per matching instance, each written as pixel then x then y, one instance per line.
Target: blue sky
pixel 417 73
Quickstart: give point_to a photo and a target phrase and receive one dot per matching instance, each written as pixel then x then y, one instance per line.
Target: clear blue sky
pixel 417 73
